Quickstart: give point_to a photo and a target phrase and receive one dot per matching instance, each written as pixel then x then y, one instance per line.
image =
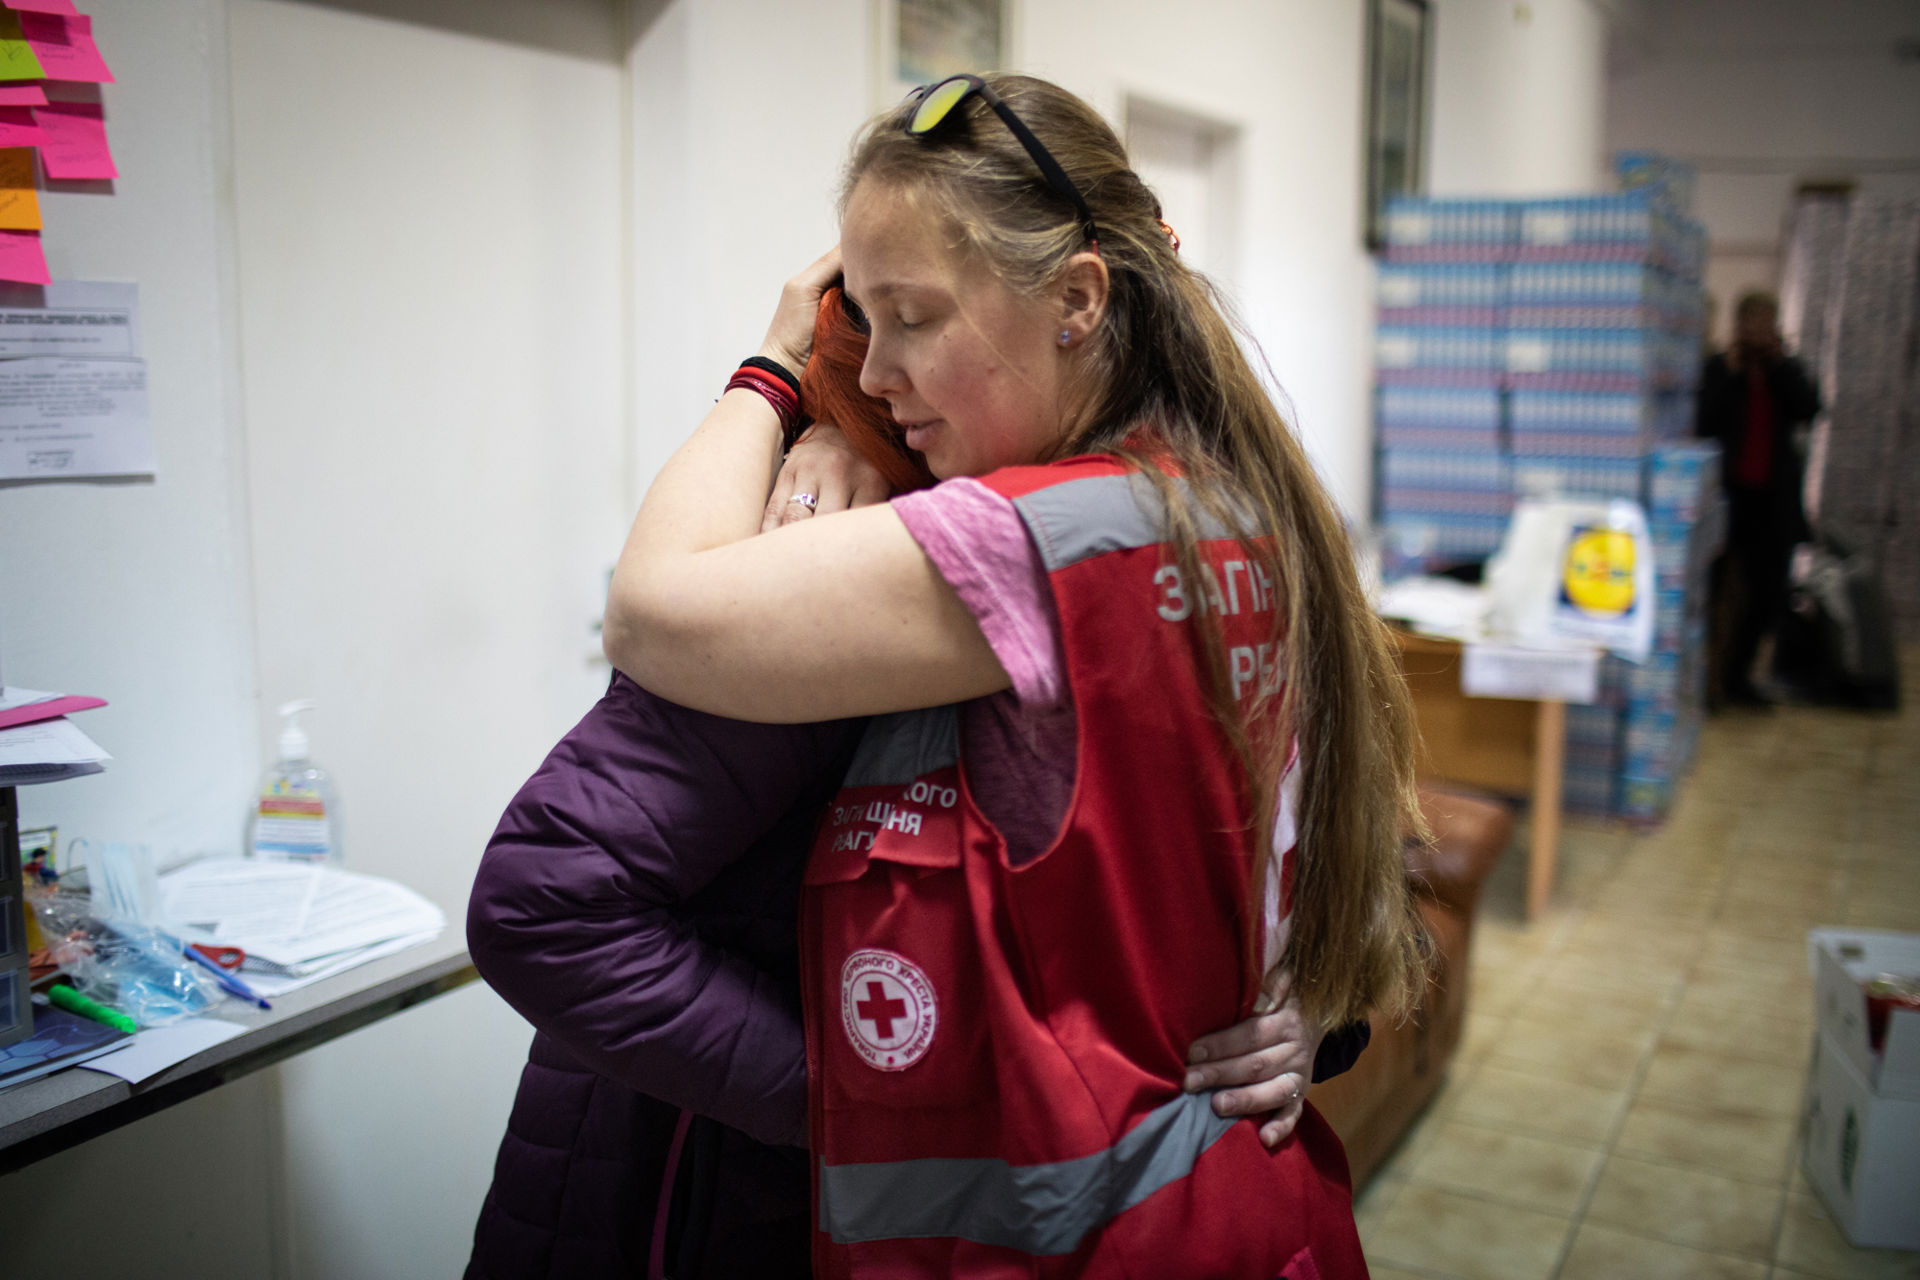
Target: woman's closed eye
pixel 855 316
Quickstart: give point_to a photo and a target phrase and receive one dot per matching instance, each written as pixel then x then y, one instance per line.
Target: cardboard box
pixel 1863 1122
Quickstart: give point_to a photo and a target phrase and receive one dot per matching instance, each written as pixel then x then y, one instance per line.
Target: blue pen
pixel 226 980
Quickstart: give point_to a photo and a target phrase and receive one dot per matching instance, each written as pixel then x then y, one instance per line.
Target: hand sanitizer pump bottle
pixel 296 816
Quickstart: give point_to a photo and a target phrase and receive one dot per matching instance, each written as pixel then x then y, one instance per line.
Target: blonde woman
pixel 1137 745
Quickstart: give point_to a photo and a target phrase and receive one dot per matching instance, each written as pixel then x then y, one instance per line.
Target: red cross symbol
pixel 879 1010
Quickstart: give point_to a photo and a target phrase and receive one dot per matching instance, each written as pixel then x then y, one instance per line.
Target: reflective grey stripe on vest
pixel 1037 1208
pixel 897 748
pixel 1080 519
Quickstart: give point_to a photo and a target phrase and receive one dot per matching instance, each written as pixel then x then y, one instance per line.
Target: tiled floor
pixel 1626 1100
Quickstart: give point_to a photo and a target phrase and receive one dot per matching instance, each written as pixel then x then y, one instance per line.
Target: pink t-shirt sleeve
pixel 977 540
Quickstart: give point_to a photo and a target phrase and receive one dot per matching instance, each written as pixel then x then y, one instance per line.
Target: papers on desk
pixel 297 923
pixel 24 706
pixel 154 1050
pixel 1437 607
pixel 1548 675
pixel 47 751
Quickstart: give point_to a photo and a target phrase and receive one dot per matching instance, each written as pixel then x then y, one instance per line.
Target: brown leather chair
pixel 1372 1105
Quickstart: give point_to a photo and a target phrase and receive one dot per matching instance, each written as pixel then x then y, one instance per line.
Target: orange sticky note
pixel 19 201
pixel 17 61
pixel 22 259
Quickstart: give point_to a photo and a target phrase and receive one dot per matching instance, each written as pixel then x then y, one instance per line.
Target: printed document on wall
pixel 73 388
pixel 64 419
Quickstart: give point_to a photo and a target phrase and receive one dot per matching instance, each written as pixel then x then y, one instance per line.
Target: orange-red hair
pixel 830 392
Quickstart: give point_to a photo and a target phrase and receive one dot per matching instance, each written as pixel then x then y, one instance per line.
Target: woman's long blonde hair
pixel 1165 355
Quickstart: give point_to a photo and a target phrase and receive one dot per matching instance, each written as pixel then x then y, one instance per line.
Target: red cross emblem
pixel 887 1008
pixel 879 1010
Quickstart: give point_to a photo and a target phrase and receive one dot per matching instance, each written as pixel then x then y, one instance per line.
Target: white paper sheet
pixel 272 985
pixel 291 915
pixel 67 419
pixel 12 696
pixel 157 1048
pixel 1436 607
pixel 71 319
pixel 1552 675
pixel 46 742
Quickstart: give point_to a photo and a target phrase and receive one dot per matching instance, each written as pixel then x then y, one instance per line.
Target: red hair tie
pixel 1173 237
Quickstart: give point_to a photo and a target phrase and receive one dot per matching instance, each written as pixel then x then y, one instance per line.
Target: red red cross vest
pixel 995 1052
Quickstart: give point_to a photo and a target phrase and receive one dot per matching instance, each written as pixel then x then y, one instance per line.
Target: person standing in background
pixel 1755 400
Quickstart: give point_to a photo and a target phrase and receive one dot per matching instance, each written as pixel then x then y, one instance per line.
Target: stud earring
pixel 1066 336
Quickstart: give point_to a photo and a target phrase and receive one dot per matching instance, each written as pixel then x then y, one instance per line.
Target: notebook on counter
pixel 59 1039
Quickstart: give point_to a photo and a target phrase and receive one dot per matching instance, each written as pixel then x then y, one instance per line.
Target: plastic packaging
pixel 130 968
pixel 296 814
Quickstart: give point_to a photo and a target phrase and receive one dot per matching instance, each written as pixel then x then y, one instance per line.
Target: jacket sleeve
pixel 1340 1048
pixel 1800 393
pixel 576 920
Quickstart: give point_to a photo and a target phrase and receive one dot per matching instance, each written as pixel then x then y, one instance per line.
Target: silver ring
pixel 806 500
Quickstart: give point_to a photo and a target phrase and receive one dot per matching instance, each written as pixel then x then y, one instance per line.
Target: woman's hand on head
pixel 823 466
pixel 1262 1065
pixel 789 339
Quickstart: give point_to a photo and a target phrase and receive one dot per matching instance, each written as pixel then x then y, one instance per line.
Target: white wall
pixel 431 323
pixel 1518 98
pixel 140 593
pixel 714 237
pixel 1761 95
pixel 412 234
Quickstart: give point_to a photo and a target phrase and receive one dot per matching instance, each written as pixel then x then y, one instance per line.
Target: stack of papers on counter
pixel 39 744
pixel 297 923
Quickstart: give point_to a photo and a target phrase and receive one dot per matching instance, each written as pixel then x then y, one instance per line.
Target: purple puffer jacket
pixel 638 905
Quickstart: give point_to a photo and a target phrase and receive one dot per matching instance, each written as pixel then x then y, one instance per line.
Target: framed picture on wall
pixel 920 41
pixel 1397 35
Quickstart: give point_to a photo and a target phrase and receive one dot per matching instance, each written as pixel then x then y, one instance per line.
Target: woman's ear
pixel 1082 291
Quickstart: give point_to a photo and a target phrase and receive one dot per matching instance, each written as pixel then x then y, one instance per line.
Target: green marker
pixel 65 997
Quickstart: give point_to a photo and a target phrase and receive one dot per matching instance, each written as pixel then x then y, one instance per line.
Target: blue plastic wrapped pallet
pixel 1584 295
pixel 1550 475
pixel 1683 481
pixel 1416 355
pixel 1609 360
pixel 1593 227
pixel 1454 538
pixel 1462 418
pixel 1441 294
pixel 1579 424
pixel 1662 177
pixel 1422 229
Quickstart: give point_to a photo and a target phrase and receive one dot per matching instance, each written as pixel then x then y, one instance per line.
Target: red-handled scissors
pixel 228 958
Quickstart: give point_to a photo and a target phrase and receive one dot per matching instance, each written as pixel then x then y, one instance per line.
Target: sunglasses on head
pixel 936 105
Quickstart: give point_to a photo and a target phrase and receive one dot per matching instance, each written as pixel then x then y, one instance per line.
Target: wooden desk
pixel 64 1109
pixel 1505 745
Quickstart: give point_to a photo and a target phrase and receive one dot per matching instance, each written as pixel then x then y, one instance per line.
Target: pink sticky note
pixel 22 95
pixel 17 128
pixel 21 258
pixel 65 47
pixel 44 6
pixel 35 712
pixel 74 141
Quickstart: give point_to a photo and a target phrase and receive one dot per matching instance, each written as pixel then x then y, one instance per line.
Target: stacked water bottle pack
pixel 1591 777
pixel 1553 346
pixel 1665 695
pixel 1439 360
